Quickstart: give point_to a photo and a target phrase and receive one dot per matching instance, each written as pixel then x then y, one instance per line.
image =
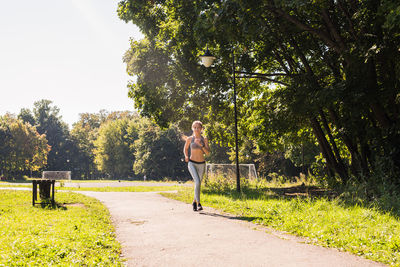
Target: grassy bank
pixel 77 232
pixel 364 231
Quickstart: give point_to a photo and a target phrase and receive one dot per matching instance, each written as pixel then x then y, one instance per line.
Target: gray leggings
pixel 197 172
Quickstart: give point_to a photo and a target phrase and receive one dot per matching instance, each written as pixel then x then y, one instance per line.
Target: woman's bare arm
pixel 206 148
pixel 186 149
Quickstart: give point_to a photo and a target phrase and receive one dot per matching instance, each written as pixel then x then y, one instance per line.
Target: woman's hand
pixel 205 148
pixel 199 142
pixel 186 159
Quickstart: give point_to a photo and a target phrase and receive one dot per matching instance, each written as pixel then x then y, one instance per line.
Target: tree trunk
pixel 327 150
pixel 356 166
pixel 376 107
pixel 333 143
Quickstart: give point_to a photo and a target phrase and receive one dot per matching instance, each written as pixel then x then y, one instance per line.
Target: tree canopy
pixel 45 117
pixel 113 148
pixel 22 148
pixel 158 153
pixel 326 67
pixel 112 145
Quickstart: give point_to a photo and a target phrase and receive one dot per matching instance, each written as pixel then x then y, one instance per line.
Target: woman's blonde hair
pixel 184 137
pixel 197 122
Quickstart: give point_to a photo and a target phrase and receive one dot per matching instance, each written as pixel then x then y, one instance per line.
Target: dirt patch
pixel 137 222
pixel 303 191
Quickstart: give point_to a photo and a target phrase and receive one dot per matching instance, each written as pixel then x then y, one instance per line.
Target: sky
pixel 66 51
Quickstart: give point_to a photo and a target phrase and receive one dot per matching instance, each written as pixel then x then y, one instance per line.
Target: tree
pixel 334 66
pixel 114 154
pixel 158 153
pixel 47 121
pixel 26 116
pixel 84 132
pixel 22 147
pixel 5 144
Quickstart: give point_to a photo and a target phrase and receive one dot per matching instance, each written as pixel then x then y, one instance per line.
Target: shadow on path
pixel 230 217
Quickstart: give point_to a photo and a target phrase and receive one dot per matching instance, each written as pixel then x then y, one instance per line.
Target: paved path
pixel 157 231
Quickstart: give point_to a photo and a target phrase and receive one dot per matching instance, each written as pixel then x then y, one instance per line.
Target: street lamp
pixel 207 60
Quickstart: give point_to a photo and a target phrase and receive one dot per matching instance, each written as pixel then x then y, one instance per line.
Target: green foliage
pixel 223 183
pixel 21 146
pixel 76 233
pixel 48 122
pixel 218 139
pixel 84 134
pixel 332 65
pixel 100 144
pixel 137 145
pixel 159 153
pixel 114 154
pixel 26 116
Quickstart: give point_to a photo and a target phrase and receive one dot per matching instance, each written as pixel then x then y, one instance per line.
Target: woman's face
pixel 197 128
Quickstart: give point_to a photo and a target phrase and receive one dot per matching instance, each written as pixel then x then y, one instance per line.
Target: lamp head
pixel 207 58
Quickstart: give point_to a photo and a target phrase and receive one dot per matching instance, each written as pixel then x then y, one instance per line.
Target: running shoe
pixel 194 206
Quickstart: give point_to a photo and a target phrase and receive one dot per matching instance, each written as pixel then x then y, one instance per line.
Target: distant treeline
pixel 111 145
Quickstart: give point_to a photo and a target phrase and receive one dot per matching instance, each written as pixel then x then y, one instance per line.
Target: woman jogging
pixel 196 163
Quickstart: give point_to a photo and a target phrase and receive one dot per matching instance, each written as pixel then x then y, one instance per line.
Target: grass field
pixel 164 186
pixel 364 231
pixel 78 232
pixel 123 189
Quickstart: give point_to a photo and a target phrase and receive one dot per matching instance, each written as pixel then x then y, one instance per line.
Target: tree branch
pixel 323 35
pixel 263 78
pixel 333 29
pixel 279 59
pixel 348 18
pixel 263 74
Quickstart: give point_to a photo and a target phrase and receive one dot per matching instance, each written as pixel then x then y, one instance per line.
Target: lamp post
pixel 207 59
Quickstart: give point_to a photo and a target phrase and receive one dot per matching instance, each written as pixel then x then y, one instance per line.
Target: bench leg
pixel 52 198
pixel 34 192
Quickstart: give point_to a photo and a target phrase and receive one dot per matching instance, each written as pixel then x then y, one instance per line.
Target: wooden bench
pixel 46 190
pixel 47 185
